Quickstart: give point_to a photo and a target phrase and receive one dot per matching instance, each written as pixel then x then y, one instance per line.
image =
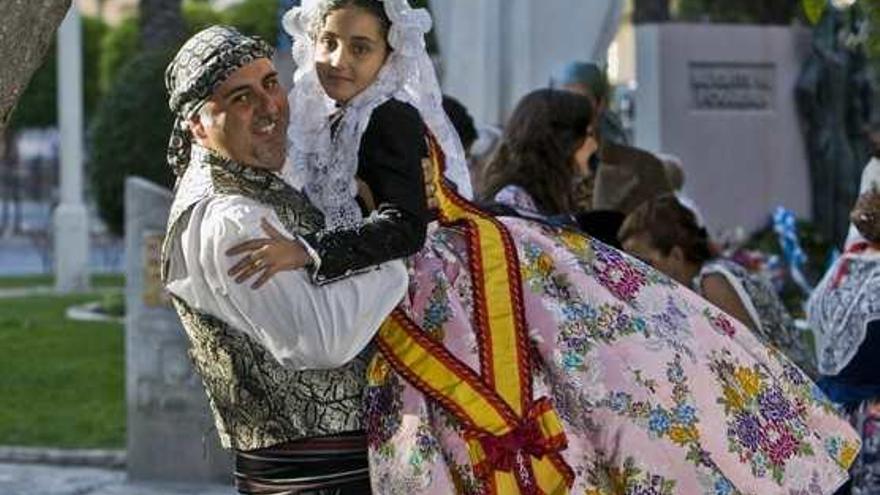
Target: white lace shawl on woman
pixel 841 307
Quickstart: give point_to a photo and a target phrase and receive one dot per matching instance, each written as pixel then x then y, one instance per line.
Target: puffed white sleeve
pixel 303 325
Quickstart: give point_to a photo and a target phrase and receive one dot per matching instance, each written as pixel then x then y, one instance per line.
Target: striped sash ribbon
pixel 513 440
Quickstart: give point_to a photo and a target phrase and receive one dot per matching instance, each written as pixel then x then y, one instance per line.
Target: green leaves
pixel 813 9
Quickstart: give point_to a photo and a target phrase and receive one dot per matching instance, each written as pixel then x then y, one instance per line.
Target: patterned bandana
pixel 203 63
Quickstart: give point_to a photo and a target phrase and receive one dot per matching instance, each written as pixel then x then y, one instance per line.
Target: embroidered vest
pixel 257 402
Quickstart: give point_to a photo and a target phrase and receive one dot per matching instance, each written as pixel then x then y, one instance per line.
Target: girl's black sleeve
pixel 390 163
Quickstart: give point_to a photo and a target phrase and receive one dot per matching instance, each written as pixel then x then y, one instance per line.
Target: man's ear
pixel 197 127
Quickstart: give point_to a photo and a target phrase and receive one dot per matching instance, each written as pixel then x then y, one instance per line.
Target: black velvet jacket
pixel 390 163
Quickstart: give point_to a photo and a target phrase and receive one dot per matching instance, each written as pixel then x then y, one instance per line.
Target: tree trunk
pixel 27 28
pixel 161 23
pixel 651 11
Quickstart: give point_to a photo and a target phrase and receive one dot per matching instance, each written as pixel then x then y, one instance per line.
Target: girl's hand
pixel 267 256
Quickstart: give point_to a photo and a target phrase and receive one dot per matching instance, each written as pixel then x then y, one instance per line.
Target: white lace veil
pixel 324 164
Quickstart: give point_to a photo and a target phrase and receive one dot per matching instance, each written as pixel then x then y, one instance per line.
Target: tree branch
pixel 26 31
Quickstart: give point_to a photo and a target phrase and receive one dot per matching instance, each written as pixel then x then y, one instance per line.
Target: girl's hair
pixel 374 7
pixel 865 215
pixel 667 223
pixel 537 149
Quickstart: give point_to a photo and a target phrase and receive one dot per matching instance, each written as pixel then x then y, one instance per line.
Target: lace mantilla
pixel 841 308
pixel 324 140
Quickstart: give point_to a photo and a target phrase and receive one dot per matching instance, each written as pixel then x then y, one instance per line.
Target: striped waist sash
pixel 315 466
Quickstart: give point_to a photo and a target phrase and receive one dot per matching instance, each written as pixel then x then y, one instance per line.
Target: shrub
pixel 130 133
pixel 744 11
pixel 118 46
pixel 255 17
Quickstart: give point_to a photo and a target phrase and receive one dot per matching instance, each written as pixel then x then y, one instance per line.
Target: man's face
pixel 246 117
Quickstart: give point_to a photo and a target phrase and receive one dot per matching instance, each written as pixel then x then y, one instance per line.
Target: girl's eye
pixel 360 50
pixel 329 43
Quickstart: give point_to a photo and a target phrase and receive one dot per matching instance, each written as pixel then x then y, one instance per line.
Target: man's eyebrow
pixel 244 87
pixel 236 89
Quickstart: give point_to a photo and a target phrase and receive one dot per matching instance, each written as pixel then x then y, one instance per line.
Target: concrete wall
pixel 495 51
pixel 721 97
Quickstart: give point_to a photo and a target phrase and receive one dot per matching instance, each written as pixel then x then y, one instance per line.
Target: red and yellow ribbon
pixel 514 441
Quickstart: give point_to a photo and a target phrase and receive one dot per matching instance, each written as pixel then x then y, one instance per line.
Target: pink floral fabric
pixel 660 392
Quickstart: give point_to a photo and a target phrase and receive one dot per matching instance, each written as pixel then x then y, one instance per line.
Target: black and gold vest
pixel 256 401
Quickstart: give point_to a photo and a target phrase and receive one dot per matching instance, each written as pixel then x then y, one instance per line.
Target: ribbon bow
pixel 501 451
pixel 535 440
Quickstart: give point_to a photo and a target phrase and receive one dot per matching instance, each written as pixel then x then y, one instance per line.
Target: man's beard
pixel 271 154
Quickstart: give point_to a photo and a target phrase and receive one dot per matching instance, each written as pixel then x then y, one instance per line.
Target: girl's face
pixel 351 49
pixel 583 153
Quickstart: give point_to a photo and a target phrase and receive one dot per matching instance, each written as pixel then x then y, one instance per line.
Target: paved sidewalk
pixel 35 479
pixel 16 292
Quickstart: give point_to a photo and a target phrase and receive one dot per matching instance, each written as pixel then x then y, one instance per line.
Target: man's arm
pixel 302 325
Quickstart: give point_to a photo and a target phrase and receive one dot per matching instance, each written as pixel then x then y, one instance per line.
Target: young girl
pixel 526 359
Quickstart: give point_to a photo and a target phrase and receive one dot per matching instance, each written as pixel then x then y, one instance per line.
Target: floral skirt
pixel 659 391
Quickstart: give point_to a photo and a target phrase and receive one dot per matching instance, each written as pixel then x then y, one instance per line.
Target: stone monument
pixel 171 434
pixel 721 97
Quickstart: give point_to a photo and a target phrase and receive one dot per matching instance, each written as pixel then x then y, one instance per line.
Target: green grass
pixel 98 281
pixel 61 382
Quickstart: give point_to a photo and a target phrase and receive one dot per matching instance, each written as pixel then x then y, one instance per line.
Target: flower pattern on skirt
pixel 658 391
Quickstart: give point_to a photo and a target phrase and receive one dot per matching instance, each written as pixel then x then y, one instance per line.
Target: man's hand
pixel 267 256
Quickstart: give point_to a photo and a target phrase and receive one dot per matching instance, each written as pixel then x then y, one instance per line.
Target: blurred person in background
pixel 844 313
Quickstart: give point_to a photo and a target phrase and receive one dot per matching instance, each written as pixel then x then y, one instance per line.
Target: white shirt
pixel 303 326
